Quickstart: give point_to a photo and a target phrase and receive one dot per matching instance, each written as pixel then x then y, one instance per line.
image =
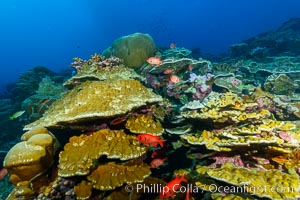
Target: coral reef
pixel 280 64
pixel 92 100
pixel 22 190
pixel 99 68
pixel 223 126
pixel 272 184
pixel 28 82
pixel 144 124
pixel 282 41
pixel 280 84
pixel 136 194
pixel 31 157
pixel 229 139
pixel 48 87
pixel 83 190
pixel 179 64
pixel 232 84
pixel 177 53
pixel 77 157
pixel 182 80
pixel 37 104
pixel 133 49
pixel 226 107
pixel 111 175
pixel 61 188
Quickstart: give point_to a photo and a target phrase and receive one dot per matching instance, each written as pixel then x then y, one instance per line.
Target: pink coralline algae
pixel 285 136
pixel 77 67
pixel 112 61
pixel 260 103
pixel 220 160
pixel 235 82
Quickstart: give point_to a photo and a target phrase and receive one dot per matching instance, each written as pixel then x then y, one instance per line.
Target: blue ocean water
pixel 51 32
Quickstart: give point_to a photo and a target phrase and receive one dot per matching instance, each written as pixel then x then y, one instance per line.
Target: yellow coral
pixel 83 190
pixel 92 100
pixel 29 158
pixel 219 196
pixel 144 124
pixel 290 160
pixel 34 131
pixel 112 175
pixel 272 184
pixel 226 107
pixel 230 138
pixel 267 125
pixel 81 152
pixel 23 190
pixel 94 72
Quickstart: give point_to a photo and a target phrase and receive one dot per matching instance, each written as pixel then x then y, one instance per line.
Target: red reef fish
pixel 170 189
pixel 154 61
pixel 157 162
pixel 151 140
pixel 118 121
pixel 174 78
pixel 158 153
pixel 3 173
pixel 169 71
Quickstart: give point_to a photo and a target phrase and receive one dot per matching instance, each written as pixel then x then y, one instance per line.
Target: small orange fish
pixel 169 71
pixel 174 79
pixel 190 67
pixel 154 61
pixel 44 101
pixel 171 187
pixel 172 46
pixel 118 120
pixel 280 160
pixel 151 140
pixel 158 153
pixel 3 173
pixel 157 162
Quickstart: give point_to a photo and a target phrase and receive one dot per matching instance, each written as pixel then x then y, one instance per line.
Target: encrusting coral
pixel 92 100
pixel 78 157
